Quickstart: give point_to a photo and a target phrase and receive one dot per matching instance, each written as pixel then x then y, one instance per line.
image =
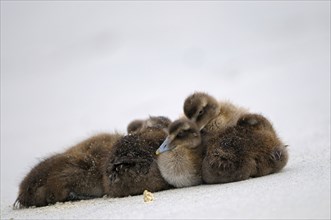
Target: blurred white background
pixel 72 69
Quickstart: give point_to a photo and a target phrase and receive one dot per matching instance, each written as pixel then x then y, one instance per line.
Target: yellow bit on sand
pixel 148 196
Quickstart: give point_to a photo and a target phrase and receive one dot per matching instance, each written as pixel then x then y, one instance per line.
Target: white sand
pixel 71 70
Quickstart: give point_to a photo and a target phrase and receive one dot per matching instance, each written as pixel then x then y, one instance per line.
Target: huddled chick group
pixel 215 142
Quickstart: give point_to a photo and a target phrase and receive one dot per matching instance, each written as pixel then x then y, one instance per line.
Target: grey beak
pixel 164 146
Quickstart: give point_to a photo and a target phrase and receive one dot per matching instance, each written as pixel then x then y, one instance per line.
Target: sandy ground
pixel 72 70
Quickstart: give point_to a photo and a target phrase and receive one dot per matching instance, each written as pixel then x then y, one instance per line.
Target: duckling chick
pixel 210 114
pixel 69 176
pixel 251 148
pixel 152 122
pixel 130 168
pixel 134 126
pixel 180 155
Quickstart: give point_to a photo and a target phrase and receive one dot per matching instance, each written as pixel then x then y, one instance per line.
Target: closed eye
pixel 181 134
pixel 185 133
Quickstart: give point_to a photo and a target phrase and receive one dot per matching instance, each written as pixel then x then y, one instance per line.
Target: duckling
pixel 180 155
pixel 134 126
pixel 130 167
pixel 210 114
pixel 72 175
pixel 251 148
pixel 152 121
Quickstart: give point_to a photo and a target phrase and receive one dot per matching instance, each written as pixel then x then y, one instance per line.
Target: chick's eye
pixel 201 112
pixel 181 134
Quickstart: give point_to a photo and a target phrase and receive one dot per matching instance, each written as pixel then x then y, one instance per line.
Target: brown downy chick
pixel 151 122
pixel 180 155
pixel 210 114
pixel 249 149
pixel 134 126
pixel 72 175
pixel 131 167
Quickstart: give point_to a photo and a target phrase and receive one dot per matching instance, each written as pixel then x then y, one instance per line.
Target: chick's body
pixel 181 167
pixel 72 175
pixel 131 166
pixel 228 116
pixel 249 149
pixel 180 155
pixel 239 144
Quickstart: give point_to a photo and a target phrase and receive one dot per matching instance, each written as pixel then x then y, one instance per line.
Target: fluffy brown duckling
pixel 134 126
pixel 69 176
pixel 220 121
pixel 180 155
pixel 251 148
pixel 152 122
pixel 131 167
pixel 210 114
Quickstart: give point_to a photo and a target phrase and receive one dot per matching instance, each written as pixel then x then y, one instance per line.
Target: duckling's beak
pixel 164 146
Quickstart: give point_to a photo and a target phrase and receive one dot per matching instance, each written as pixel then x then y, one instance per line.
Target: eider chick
pixel 180 155
pixel 72 175
pixel 134 126
pixel 130 167
pixel 152 122
pixel 210 114
pixel 251 148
